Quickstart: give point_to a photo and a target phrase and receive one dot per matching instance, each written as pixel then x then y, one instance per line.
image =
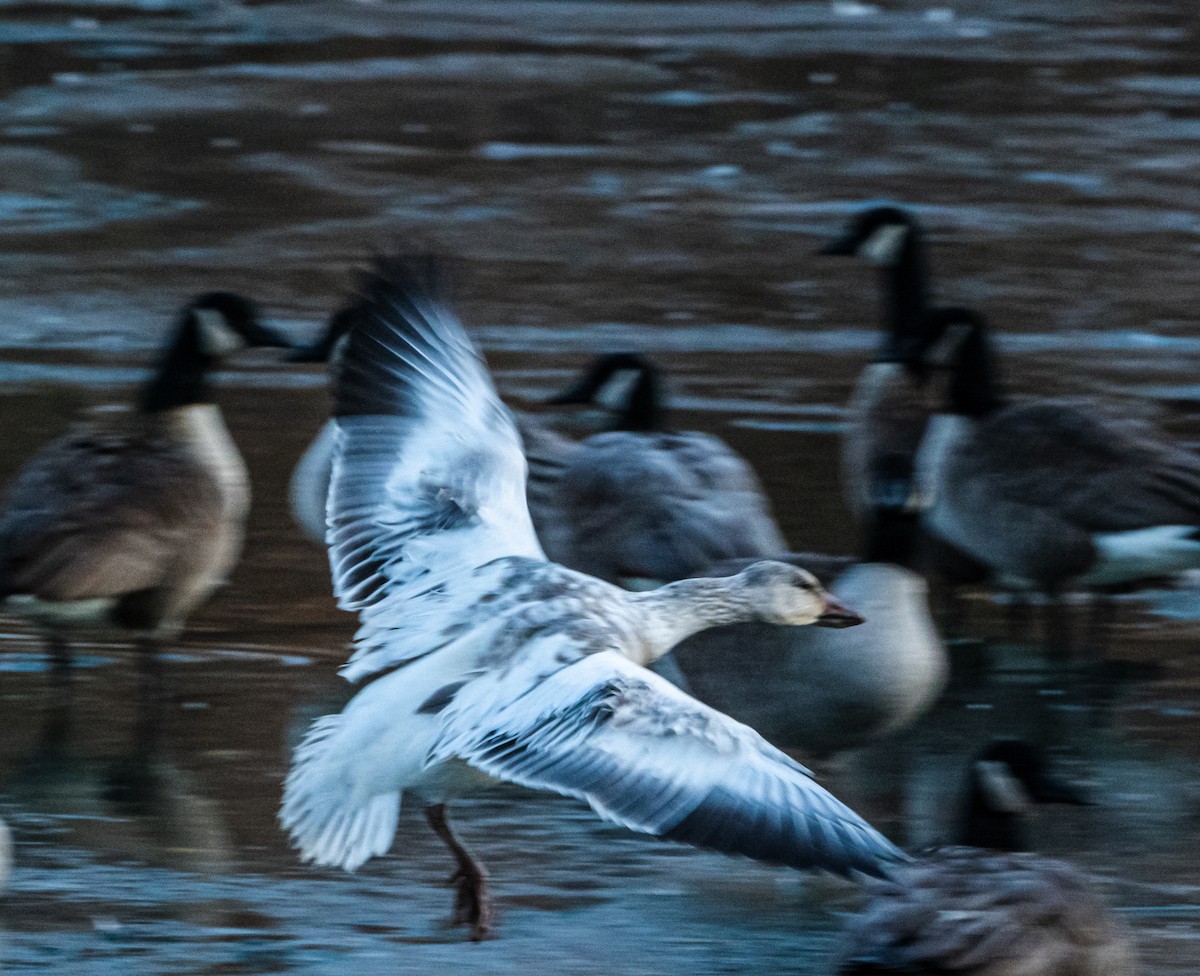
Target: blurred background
pixel 608 175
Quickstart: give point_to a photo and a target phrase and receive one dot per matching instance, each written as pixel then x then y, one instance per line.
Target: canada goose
pixel 131 521
pixel 640 505
pixel 981 912
pixel 1050 494
pixel 491 663
pixel 823 693
pixel 890 406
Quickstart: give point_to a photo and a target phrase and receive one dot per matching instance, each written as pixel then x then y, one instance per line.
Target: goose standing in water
pixel 890 405
pixel 130 523
pixel 990 912
pixel 1051 494
pixel 491 663
pixel 640 505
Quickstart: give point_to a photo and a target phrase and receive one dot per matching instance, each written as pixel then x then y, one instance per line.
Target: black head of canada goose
pixel 625 384
pixel 132 519
pixel 991 908
pixel 889 407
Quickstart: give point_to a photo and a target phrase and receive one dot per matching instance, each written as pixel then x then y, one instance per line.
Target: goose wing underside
pixel 428 476
pixel 102 514
pixel 647 756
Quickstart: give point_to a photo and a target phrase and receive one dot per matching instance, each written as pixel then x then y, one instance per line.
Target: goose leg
pixel 60 657
pixel 472 902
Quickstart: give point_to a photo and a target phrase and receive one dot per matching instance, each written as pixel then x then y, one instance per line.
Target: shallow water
pixel 650 175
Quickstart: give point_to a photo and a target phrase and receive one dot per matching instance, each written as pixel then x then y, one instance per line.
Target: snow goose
pixel 1051 494
pixel 491 663
pixel 639 504
pixel 132 519
pixel 890 404
pixel 990 912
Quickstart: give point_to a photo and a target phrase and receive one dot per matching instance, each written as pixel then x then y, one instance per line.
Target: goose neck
pixel 906 300
pixel 678 610
pixel 181 377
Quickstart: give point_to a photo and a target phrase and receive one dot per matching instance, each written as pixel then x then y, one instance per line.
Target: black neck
pixel 906 300
pixel 644 410
pixel 181 377
pixel 983 826
pixel 891 536
pixel 974 387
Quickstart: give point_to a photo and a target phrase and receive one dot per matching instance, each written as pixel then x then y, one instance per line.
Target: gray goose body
pixel 642 508
pixel 1053 493
pixel 132 519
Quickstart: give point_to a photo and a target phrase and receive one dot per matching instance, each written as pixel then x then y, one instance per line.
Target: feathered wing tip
pixel 318 810
pixel 401 333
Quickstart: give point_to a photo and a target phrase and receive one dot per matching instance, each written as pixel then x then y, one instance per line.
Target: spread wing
pixel 647 756
pixel 101 513
pixel 656 506
pixel 428 476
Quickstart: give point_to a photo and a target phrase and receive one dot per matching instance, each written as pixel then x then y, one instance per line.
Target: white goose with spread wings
pixel 491 663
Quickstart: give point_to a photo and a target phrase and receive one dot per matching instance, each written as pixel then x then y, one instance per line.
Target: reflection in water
pixel 138 803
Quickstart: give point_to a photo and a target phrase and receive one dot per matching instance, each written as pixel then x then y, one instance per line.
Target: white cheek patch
pixel 614 394
pixel 883 247
pixel 1003 791
pixel 217 337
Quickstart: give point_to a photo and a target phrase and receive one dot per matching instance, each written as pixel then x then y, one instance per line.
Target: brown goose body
pixel 1026 489
pixel 990 909
pixel 130 523
pixel 1051 493
pixel 133 518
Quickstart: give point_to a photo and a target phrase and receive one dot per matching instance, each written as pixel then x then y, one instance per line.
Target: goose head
pixel 1003 783
pixel 880 236
pixel 209 328
pixel 890 238
pixel 626 387
pixel 780 593
pixel 222 322
pixel 956 341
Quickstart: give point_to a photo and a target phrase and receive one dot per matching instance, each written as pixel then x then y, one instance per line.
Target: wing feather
pixel 647 756
pixel 428 476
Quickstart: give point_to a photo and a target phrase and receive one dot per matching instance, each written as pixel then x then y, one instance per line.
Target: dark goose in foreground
pixel 131 520
pixel 973 911
pixel 491 663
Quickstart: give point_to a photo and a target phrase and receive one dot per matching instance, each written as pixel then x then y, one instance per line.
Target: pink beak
pixel 837 614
